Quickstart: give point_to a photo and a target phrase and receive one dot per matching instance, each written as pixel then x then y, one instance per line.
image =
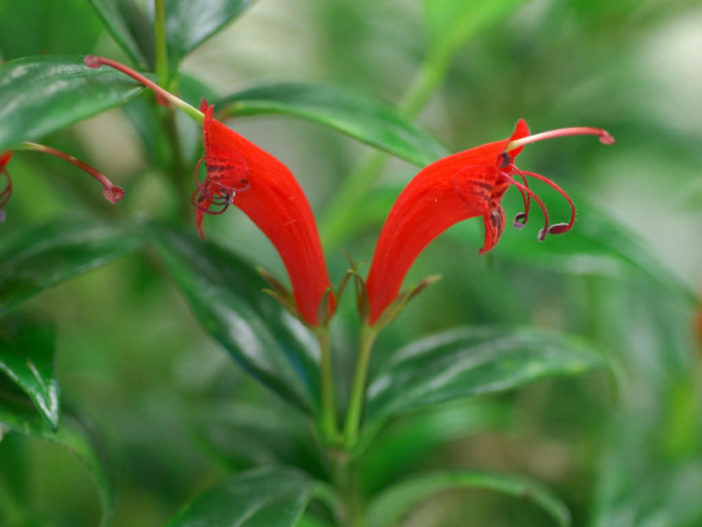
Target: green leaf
pixel 27 358
pixel 389 507
pixel 128 24
pixel 39 95
pixel 189 23
pixel 246 436
pixel 268 497
pixel 597 245
pixel 226 295
pixel 406 442
pixel 450 23
pixel 468 362
pixel 46 26
pixel 358 115
pixel 42 256
pixel 74 434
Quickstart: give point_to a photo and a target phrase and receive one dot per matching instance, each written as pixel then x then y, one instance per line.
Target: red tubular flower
pixel 460 186
pixel 112 192
pixel 242 174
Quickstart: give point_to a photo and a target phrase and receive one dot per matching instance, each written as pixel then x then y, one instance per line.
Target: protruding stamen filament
pixel 112 192
pixel 604 136
pixel 557 228
pixel 528 191
pixel 161 95
pixel 521 218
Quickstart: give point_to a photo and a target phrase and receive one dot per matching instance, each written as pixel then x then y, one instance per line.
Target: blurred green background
pixel 132 358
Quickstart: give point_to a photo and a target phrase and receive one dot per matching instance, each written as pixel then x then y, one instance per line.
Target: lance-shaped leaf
pixel 39 95
pixel 355 114
pixel 74 434
pixel 42 256
pixel 268 497
pixel 226 294
pixel 468 362
pixel 390 506
pixel 244 436
pixel 68 26
pixel 27 358
pixel 188 24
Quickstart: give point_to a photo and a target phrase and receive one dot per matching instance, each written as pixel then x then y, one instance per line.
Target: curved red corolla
pixel 242 174
pixel 460 186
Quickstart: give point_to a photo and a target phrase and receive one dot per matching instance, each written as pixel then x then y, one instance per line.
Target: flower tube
pixel 457 187
pixel 242 174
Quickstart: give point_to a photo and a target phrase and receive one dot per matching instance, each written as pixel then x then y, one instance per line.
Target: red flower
pixel 455 188
pixel 242 174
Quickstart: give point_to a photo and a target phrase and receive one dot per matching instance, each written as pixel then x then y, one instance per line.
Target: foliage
pixel 545 383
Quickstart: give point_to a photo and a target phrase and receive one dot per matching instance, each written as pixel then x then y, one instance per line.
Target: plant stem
pixel 160 44
pixel 348 199
pixel 178 169
pixel 328 424
pixel 358 392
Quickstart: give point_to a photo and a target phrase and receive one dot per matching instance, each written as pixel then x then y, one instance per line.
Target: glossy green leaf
pixel 450 23
pixel 358 115
pixel 267 497
pixel 18 415
pixel 405 443
pixel 27 358
pixel 226 295
pixel 637 484
pixel 597 245
pixel 129 25
pixel 189 23
pixel 46 26
pixel 42 256
pixel 467 362
pixel 245 436
pixel 390 506
pixel 39 95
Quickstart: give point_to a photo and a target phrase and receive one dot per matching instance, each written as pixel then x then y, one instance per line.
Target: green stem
pixel 328 424
pixel 160 44
pixel 339 220
pixel 429 77
pixel 178 168
pixel 358 392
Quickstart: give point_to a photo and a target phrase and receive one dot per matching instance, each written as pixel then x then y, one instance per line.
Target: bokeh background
pixel 132 358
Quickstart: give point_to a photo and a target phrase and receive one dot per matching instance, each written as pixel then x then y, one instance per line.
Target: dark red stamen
pixel 557 228
pixel 529 192
pixel 521 218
